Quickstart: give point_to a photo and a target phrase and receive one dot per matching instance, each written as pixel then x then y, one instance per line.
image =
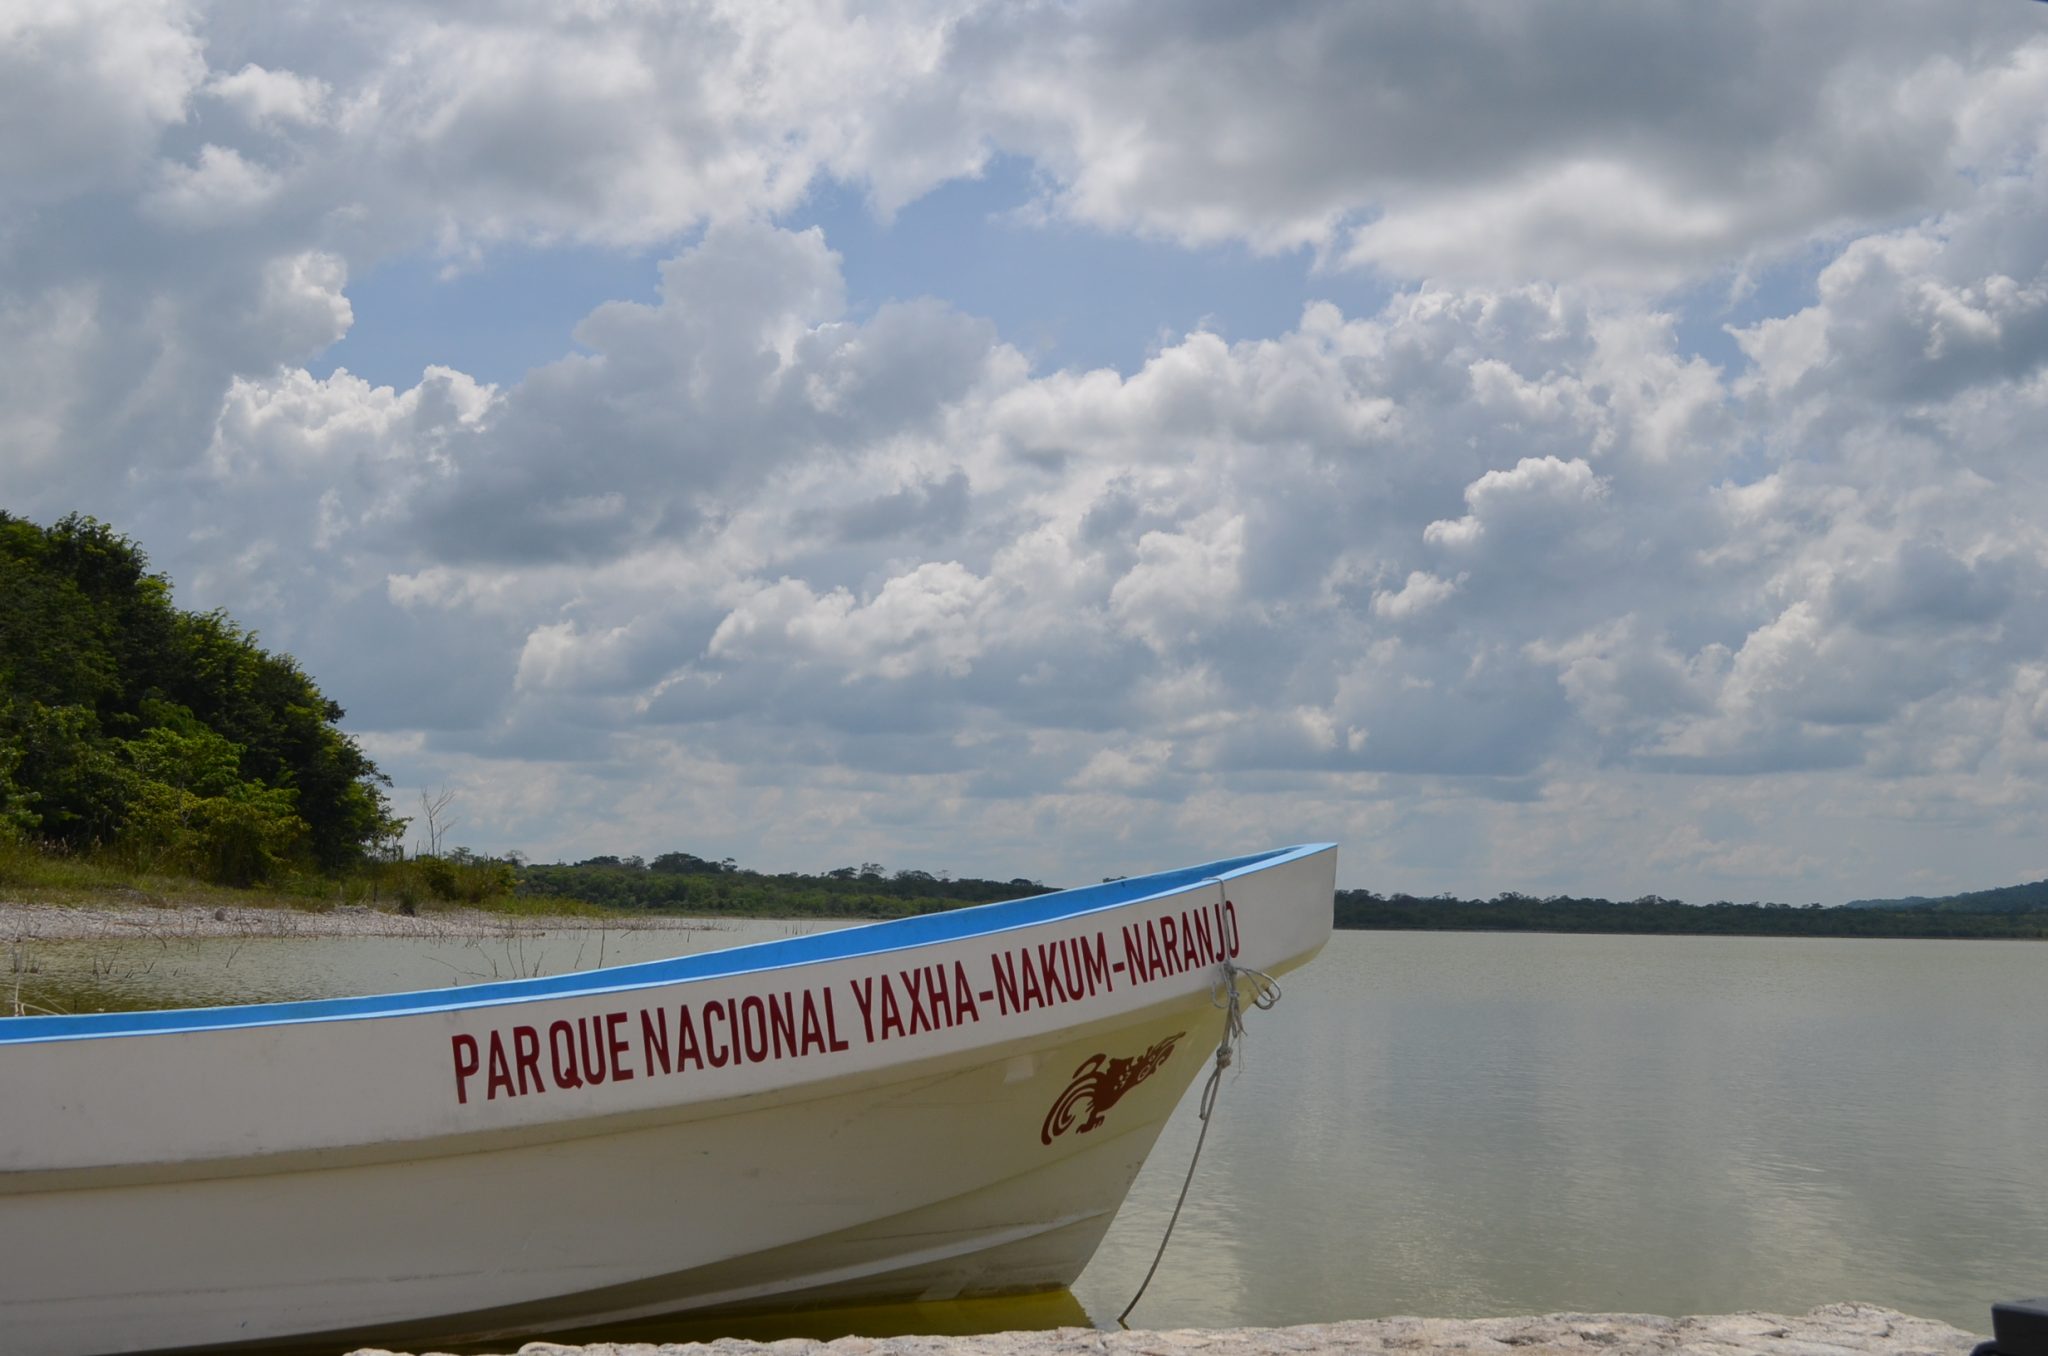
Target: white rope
pixel 1223 993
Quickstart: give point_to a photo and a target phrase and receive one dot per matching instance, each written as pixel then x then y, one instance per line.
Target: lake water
pixel 1477 1124
pixel 1481 1124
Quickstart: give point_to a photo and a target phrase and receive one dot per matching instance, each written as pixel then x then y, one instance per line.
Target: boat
pixel 935 1107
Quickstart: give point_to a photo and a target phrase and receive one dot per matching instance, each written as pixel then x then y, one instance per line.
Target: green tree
pixel 105 687
pixel 69 775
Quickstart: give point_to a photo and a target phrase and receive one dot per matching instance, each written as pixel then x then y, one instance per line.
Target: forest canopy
pixel 2020 911
pixel 172 737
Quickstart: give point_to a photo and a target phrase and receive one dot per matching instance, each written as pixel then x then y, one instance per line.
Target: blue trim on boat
pixel 871 939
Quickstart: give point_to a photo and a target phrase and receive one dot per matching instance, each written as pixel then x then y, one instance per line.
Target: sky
pixel 1587 446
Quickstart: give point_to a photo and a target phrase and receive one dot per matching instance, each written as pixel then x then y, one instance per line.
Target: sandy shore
pixel 58 922
pixel 1831 1330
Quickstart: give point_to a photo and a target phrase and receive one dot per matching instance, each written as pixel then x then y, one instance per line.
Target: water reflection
pixel 1449 1124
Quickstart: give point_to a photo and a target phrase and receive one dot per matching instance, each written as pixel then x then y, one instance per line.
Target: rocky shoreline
pixel 87 922
pixel 1831 1330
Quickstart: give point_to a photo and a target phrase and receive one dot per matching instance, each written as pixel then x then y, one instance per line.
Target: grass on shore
pixel 31 874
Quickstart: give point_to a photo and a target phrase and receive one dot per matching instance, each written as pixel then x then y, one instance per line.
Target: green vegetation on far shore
pixel 679 882
pixel 673 883
pixel 41 873
pixel 2007 914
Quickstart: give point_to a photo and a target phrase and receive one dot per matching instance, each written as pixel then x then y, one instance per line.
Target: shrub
pixel 458 878
pixel 246 836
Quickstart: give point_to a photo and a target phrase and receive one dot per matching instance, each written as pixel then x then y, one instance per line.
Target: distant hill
pixel 2004 899
pixel 1511 912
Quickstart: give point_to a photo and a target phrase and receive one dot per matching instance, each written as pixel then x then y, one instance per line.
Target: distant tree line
pixel 2019 914
pixel 170 737
pixel 681 882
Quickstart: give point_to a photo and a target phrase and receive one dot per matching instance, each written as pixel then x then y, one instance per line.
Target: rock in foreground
pixel 1831 1330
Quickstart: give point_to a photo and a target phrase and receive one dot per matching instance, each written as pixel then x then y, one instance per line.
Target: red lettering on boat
pixel 964 1006
pixel 864 995
pixel 596 1065
pixel 467 1062
pixel 654 1041
pixel 1052 957
pixel 782 1025
pixel 1005 966
pixel 892 1015
pixel 913 987
pixel 500 1071
pixel 1134 954
pixel 688 1051
pixel 753 1028
pixel 562 1055
pixel 721 1053
pixel 526 1059
pixel 617 1045
pixel 832 1024
pixel 814 1034
pixel 1094 964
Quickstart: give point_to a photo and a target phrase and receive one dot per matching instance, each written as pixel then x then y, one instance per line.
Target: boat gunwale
pixel 783 953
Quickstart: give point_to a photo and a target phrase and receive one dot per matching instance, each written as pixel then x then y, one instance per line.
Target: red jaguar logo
pixel 1101 1082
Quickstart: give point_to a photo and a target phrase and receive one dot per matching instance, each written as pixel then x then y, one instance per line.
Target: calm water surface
pixel 1474 1124
pixel 1442 1123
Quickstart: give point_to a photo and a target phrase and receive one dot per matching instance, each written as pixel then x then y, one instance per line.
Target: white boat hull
pixel 428 1172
